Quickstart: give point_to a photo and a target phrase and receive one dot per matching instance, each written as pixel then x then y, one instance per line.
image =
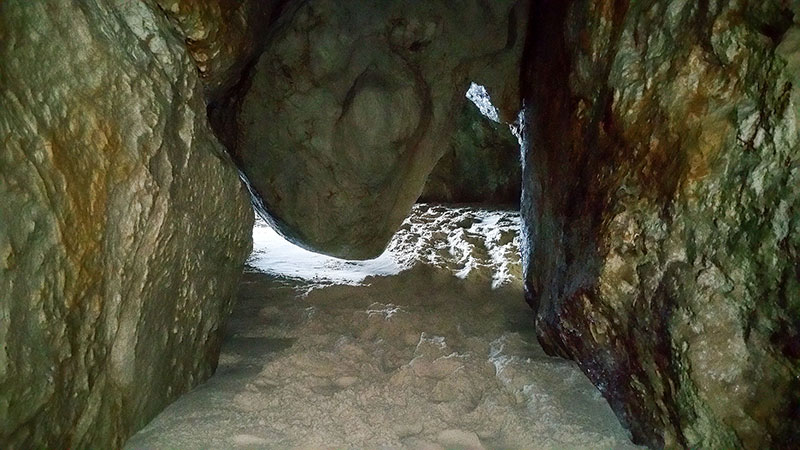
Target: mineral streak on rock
pixel 350 104
pixel 661 180
pixel 122 226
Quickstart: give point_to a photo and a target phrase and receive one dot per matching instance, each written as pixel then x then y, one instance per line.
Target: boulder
pixel 222 37
pixel 348 106
pixel 661 205
pixel 123 225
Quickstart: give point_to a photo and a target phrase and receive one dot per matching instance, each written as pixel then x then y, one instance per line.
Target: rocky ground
pixel 428 346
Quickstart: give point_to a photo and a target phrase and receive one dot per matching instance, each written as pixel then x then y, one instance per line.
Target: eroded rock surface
pixel 481 166
pixel 351 102
pixel 661 205
pixel 122 226
pixel 222 36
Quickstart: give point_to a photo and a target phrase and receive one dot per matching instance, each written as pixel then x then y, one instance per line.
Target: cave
pixel 428 225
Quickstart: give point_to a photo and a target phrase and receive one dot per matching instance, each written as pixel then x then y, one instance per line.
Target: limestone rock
pixel 350 103
pixel 481 165
pixel 661 200
pixel 222 36
pixel 122 225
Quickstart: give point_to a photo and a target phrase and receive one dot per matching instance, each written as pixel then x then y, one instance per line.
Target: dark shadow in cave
pixel 482 162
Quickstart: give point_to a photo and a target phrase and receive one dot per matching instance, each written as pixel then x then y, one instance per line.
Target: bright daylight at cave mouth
pixel 429 344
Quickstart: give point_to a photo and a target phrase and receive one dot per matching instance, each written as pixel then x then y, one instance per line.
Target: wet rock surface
pixel 482 164
pixel 347 109
pixel 660 203
pixel 122 225
pixel 429 358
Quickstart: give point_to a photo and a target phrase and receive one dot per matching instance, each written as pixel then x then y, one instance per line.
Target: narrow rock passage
pixel 438 355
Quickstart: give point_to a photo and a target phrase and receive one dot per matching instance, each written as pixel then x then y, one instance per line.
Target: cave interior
pixel 461 224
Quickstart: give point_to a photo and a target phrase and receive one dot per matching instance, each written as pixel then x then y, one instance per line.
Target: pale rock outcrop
pixel 352 103
pixel 661 205
pixel 123 226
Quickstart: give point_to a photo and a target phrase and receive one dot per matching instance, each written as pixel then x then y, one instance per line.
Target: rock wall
pixel 481 164
pixel 661 201
pixel 123 227
pixel 346 110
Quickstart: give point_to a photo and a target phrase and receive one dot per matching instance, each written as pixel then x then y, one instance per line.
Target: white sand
pixel 441 354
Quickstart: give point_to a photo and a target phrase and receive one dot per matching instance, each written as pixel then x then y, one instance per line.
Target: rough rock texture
pixel 661 204
pixel 481 166
pixel 122 226
pixel 222 36
pixel 351 101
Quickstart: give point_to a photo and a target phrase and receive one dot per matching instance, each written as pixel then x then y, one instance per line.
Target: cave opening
pixel 428 344
pixel 481 164
pixel 480 97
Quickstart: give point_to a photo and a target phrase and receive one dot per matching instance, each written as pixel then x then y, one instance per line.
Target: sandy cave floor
pixel 430 346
